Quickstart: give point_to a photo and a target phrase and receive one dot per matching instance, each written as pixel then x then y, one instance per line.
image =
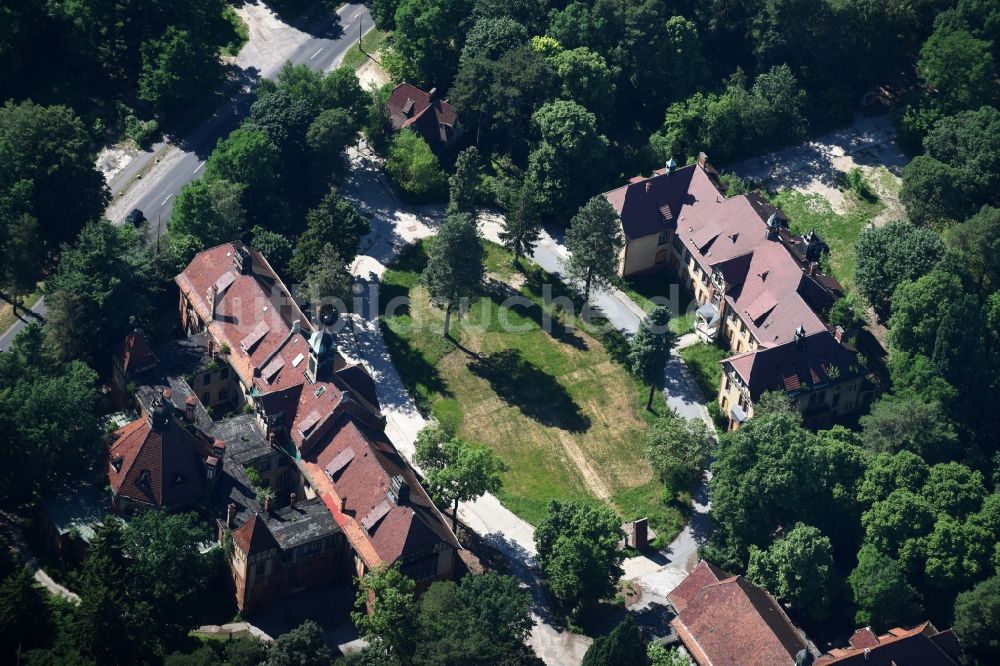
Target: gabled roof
pixel 640 204
pixel 731 622
pixel 429 116
pixel 134 353
pixel 159 466
pixel 703 574
pixel 381 527
pixel 791 366
pixel 923 645
pixel 253 536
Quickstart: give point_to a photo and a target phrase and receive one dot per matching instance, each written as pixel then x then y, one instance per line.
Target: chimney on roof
pixel 211 345
pixel 649 186
pixel 292 499
pixel 159 414
pixel 272 439
pixel 343 503
pixel 703 160
pixel 838 334
pixel 189 405
pixel 242 261
pixel 267 503
pixel 219 448
pixel 868 653
pixel 812 268
pixel 212 297
pixel 432 93
pixel 230 514
pixel 800 336
pixel 670 166
pixel 399 490
pixel 803 658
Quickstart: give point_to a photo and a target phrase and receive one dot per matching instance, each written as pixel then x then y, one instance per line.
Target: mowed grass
pixel 643 288
pixel 812 212
pixel 565 417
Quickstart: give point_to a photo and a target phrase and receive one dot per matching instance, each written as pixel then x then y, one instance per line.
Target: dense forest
pixel 891 522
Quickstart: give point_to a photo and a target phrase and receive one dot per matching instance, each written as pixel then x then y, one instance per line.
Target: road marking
pixel 317 53
pixel 199 167
pixel 166 200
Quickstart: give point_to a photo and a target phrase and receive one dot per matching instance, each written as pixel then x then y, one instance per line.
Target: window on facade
pixel 422 569
pixel 223 394
pixel 204 398
pixel 678 244
pixel 207 379
pixel 283 479
pixel 664 237
pixel 224 373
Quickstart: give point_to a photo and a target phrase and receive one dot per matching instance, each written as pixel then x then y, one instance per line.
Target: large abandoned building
pixel 305 486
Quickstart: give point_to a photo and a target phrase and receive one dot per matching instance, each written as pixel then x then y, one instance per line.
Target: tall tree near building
pixel 578 554
pixel 522 224
pixel 386 611
pixel 302 646
pixel 650 350
pixel 624 645
pixel 328 278
pixel 334 222
pixel 595 241
pixel 798 569
pixel 883 596
pixel 209 212
pixel 464 184
pixel 977 620
pixel 678 450
pixel 455 264
pixel 457 471
pixel 890 255
pixel 25 622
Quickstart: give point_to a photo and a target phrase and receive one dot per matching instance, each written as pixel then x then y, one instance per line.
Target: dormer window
pixel 142 483
pixel 117 464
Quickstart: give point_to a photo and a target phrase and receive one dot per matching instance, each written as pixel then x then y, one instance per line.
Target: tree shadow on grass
pixel 537 394
pixel 552 325
pixel 420 377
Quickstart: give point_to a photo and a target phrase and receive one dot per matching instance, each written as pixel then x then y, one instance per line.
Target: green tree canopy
pixel 334 222
pixel 390 618
pixel 490 38
pixel 890 255
pixel 464 184
pixel 798 569
pixel 578 553
pixel 414 167
pixel 302 646
pixel 957 68
pixel 178 69
pixel 586 79
pixel 883 597
pixel 977 620
pixel 48 173
pixel 455 470
pixel 207 212
pixel 455 264
pixel 594 240
pixel 650 350
pixel 624 645
pixel 678 450
pixel 522 224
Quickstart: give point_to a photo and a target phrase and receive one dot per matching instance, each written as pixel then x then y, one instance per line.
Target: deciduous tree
pixel 594 240
pixel 798 569
pixel 414 167
pixel 389 597
pixel 455 264
pixel 883 596
pixel 650 350
pixel 678 450
pixel 977 620
pixel 890 255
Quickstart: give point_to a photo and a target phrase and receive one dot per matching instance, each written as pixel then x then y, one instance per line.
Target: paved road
pixel 319 41
pixel 167 167
pixel 40 308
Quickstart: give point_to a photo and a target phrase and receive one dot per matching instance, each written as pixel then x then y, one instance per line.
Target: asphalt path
pixel 316 51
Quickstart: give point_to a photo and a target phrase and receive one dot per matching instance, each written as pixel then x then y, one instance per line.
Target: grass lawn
pixel 567 419
pixel 372 42
pixel 643 288
pixel 808 212
pixel 703 359
pixel 237 34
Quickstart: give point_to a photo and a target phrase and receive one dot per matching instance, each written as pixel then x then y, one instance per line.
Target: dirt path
pixel 590 477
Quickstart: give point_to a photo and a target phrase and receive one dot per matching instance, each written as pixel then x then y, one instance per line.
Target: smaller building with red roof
pixel 922 645
pixel 727 621
pixel 425 113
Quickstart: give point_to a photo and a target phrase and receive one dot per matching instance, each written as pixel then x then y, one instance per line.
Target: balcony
pixel 707 322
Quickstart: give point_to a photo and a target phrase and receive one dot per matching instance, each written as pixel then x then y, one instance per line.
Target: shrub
pixel 141 131
pixel 416 169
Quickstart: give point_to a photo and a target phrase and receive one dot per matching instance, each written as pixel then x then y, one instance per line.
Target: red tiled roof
pixel 409 106
pixel 765 283
pixel 734 623
pixel 790 365
pixel 135 354
pixel 253 536
pixel 394 529
pixel 703 574
pixel 163 467
pixel 922 645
